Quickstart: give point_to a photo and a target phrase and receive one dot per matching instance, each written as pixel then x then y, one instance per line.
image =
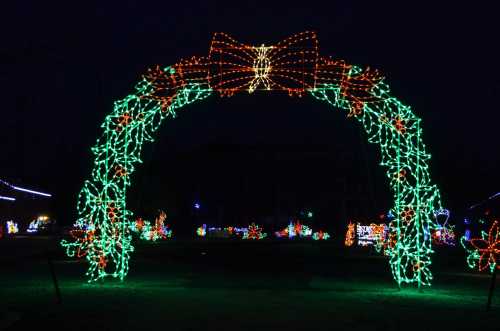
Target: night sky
pixel 63 65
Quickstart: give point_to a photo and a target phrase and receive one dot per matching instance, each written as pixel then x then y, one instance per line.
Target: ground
pixel 235 285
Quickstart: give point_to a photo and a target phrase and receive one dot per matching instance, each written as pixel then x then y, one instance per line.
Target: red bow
pixel 289 65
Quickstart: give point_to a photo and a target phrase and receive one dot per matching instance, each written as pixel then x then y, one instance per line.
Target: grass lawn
pixel 199 285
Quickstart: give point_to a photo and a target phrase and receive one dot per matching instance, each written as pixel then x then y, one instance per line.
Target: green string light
pixel 107 243
pixel 396 129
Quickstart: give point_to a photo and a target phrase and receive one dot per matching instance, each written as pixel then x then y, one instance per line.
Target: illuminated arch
pixel 294 66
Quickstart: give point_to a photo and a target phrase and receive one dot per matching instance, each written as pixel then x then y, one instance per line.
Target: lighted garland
pixel 295 66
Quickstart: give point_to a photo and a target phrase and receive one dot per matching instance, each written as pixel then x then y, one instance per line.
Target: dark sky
pixel 63 65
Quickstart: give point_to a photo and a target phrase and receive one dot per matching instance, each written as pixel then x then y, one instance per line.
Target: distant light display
pixel 201 231
pixel 295 229
pixel 21 189
pixel 221 232
pixel 12 227
pixel 350 236
pixel 443 234
pixel 38 224
pixel 293 66
pixel 484 252
pixel 377 235
pixel 254 232
pixel 320 235
pixel 33 226
pixel 237 232
pixel 364 235
pixel 370 235
pixel 298 230
pixel 7 198
pixel 150 232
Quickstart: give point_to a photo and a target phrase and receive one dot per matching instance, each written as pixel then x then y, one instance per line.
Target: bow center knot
pixel 261 68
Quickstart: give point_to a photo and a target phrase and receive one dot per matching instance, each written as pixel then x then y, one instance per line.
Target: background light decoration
pixel 40 223
pixel 484 252
pixel 21 189
pixel 367 235
pixel 350 236
pixel 235 232
pixel 7 198
pixel 444 236
pixel 293 66
pixel 295 229
pixel 31 191
pixel 254 232
pixel 221 232
pixel 320 235
pixel 201 231
pixel 371 235
pixel 33 226
pixel 443 233
pixel 364 235
pixel 12 227
pixel 150 232
pixel 216 232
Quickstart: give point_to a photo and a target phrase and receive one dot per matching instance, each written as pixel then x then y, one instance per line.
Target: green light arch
pixel 105 239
